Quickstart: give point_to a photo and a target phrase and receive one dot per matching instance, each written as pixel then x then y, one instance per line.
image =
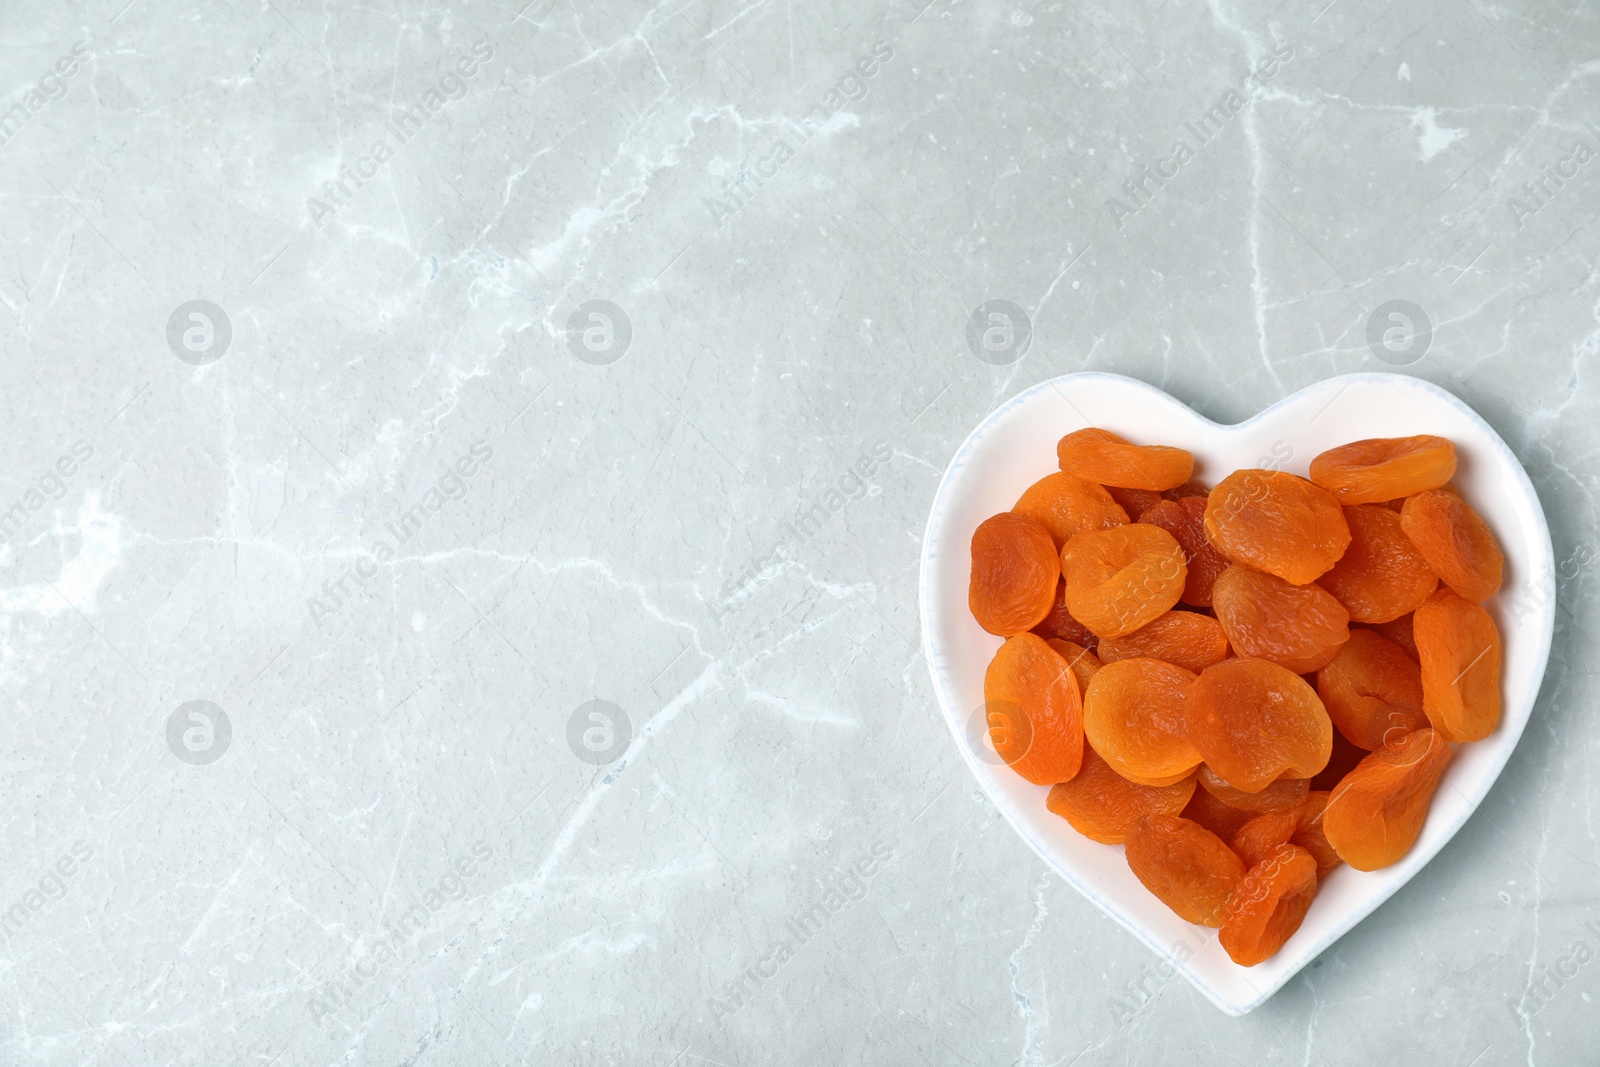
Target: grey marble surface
pixel 398 500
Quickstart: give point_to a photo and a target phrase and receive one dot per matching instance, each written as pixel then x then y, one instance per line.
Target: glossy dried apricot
pixel 1133 715
pixel 1060 623
pixel 1372 690
pixel 1189 868
pixel 1103 806
pixel 1458 545
pixel 1102 456
pixel 1262 835
pixel 1381 576
pixel 1399 631
pixel 1341 762
pixel 1310 835
pixel 1268 905
pixel 1459 647
pixel 1120 579
pixel 1065 504
pixel 1134 501
pixel 1034 710
pixel 1221 819
pixel 1187 490
pixel 1376 813
pixel 1184 638
pixel 1276 522
pixel 1281 795
pixel 1300 627
pixel 1014 572
pixel 1084 663
pixel 1384 468
pixel 1253 721
pixel 1185 520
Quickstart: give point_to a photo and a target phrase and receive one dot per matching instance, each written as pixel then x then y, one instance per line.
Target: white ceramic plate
pixel 1015 446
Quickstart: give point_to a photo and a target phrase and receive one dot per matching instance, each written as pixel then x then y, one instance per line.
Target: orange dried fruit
pixel 1187 490
pixel 1459 648
pixel 1060 623
pixel 1014 572
pixel 1372 690
pixel 1268 905
pixel 1184 638
pixel 1221 819
pixel 1310 836
pixel 1134 717
pixel 1300 627
pixel 1120 579
pixel 1134 501
pixel 1281 795
pixel 1253 721
pixel 1381 576
pixel 1458 545
pixel 1383 468
pixel 1341 762
pixel 1034 710
pixel 1189 868
pixel 1103 806
pixel 1262 835
pixel 1185 520
pixel 1376 813
pixel 1276 522
pixel 1399 631
pixel 1083 662
pixel 1104 457
pixel 1065 504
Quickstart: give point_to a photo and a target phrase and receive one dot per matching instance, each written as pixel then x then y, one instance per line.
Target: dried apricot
pixel 1253 721
pixel 1214 815
pixel 1341 762
pixel 1281 795
pixel 1310 836
pixel 1134 717
pixel 1187 490
pixel 1376 813
pixel 1300 627
pixel 1060 623
pixel 1372 690
pixel 1034 710
pixel 1065 504
pixel 1458 545
pixel 1083 662
pixel 1103 806
pixel 1191 641
pixel 1399 631
pixel 1383 468
pixel 1134 501
pixel 1276 522
pixel 1268 905
pixel 1381 576
pixel 1185 520
pixel 1459 647
pixel 1261 836
pixel 1120 579
pixel 1188 867
pixel 1014 571
pixel 1108 459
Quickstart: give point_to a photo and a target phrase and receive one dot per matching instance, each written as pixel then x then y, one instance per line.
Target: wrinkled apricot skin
pixel 1281 795
pixel 1034 710
pixel 1084 663
pixel 1103 806
pixel 1253 721
pixel 1060 623
pixel 1301 627
pixel 1134 718
pixel 1276 522
pixel 1189 868
pixel 1268 905
pixel 1065 504
pixel 1376 813
pixel 1379 469
pixel 1221 819
pixel 1381 576
pixel 1122 578
pixel 1183 638
pixel 1399 631
pixel 1372 690
pixel 1310 836
pixel 1341 762
pixel 1014 571
pixel 1134 501
pixel 1458 545
pixel 1459 648
pixel 1185 520
pixel 1102 456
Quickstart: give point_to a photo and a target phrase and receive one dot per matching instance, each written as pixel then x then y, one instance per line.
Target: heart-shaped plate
pixel 1015 446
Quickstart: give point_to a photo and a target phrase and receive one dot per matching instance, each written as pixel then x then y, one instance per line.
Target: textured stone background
pixel 413 844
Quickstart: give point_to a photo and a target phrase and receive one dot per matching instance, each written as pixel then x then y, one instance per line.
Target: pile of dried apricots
pixel 1245 685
